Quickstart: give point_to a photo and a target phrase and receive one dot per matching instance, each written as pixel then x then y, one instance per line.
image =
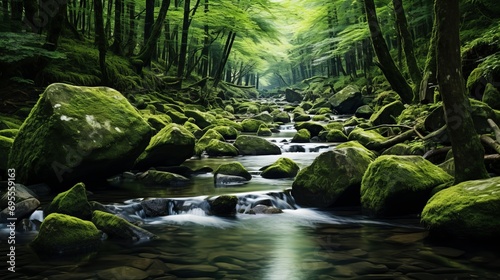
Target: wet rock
pixel 292 96
pixel 362 268
pixel 72 202
pixel 334 177
pixel 469 210
pixel 253 145
pixel 5 146
pixel 155 207
pixel 388 113
pixel 202 119
pixel 264 116
pixel 117 227
pixel 491 97
pixel 366 137
pixel 23 210
pixel 313 127
pixel 228 132
pixel 301 117
pixel 364 112
pixel 264 131
pixel 223 180
pixel 217 148
pixel 63 234
pixel 399 185
pixel 155 177
pixel 204 141
pixel 264 209
pixel 408 238
pixel 281 117
pixel 171 146
pixel 233 168
pixel 282 168
pixel 180 170
pixel 347 100
pixel 122 273
pixel 251 125
pixel 91 144
pixel 224 205
pixel 302 136
pixel 21 193
pixel 335 135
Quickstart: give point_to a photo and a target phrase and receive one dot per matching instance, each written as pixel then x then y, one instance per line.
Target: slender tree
pixel 116 47
pixel 100 39
pixel 468 153
pixel 385 61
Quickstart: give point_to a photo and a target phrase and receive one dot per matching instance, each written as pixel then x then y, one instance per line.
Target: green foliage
pixel 24 47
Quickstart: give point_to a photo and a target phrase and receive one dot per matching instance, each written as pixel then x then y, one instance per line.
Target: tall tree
pixel 100 39
pixel 385 61
pixel 116 47
pixel 56 24
pixel 468 152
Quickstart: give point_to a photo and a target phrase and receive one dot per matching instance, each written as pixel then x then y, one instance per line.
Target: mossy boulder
pixel 306 105
pixel 347 100
pixel 62 234
pixel 251 125
pixel 492 97
pixel 302 136
pixel 117 227
pixel 388 113
pixel 320 118
pixel 335 135
pixel 162 178
pixel 202 119
pixel 415 148
pixel 176 116
pixel 228 132
pixel 203 142
pixel 264 131
pixel 264 116
pixel 76 134
pixel 313 127
pixel 399 185
pixel 169 147
pixel 364 137
pixel 282 168
pixel 365 111
pixel 281 117
pixel 233 168
pixel 193 128
pixel 157 122
pixel 224 205
pixel 227 122
pixel 71 202
pixel 5 146
pixel 334 177
pixel 292 96
pixel 253 145
pixel 469 210
pixel 218 148
pixel 298 117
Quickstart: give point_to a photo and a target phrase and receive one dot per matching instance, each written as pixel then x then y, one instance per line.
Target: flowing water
pixel 300 243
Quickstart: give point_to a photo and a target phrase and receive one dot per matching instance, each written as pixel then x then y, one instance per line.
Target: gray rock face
pixel 292 96
pixel 76 134
pixel 347 100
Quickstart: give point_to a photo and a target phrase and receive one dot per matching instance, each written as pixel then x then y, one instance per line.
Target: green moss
pixel 233 168
pixel 228 132
pixel 320 118
pixel 161 178
pixel 203 142
pixel 469 210
pixel 117 227
pixel 323 110
pixel 492 96
pixel 158 122
pixel 231 123
pixel 253 145
pixel 64 234
pixel 282 168
pixel 388 113
pixel 229 109
pixel 7 122
pixel 366 136
pixel 399 185
pixel 72 202
pixel 335 135
pixel 224 205
pixel 202 119
pixel 5 146
pixel 192 127
pixel 264 131
pixel 334 125
pixel 334 177
pixel 306 105
pixel 176 116
pixel 264 116
pixel 218 148
pixel 281 116
pixel 297 117
pixel 251 125
pixel 302 136
pixel 313 127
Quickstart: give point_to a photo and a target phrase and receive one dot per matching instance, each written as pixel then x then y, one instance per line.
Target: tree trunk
pixel 16 13
pixel 108 19
pixel 100 39
pixel 225 55
pixel 386 63
pixel 56 24
pixel 184 38
pixel 468 152
pixel 5 6
pixel 149 19
pixel 116 47
pixel 147 51
pixel 132 37
pixel 429 79
pixel 204 51
pixel 411 61
pixel 30 10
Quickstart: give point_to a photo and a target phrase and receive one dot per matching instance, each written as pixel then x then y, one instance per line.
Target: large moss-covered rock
pixel 282 117
pixel 177 116
pixel 64 234
pixel 469 210
pixel 203 142
pixel 292 96
pixel 366 136
pixel 388 113
pixel 71 202
pixel 334 178
pixel 253 145
pixel 347 100
pixel 282 168
pixel 399 185
pixel 313 127
pixel 364 111
pixel 228 132
pixel 492 97
pixel 224 205
pixel 264 131
pixel 233 168
pixel 298 117
pixel 251 125
pixel 218 148
pixel 76 134
pixel 202 119
pixel 5 146
pixel 302 136
pixel 117 227
pixel 169 147
pixel 264 116
pixel 335 135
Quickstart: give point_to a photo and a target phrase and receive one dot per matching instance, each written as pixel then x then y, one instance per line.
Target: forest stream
pixel 300 243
